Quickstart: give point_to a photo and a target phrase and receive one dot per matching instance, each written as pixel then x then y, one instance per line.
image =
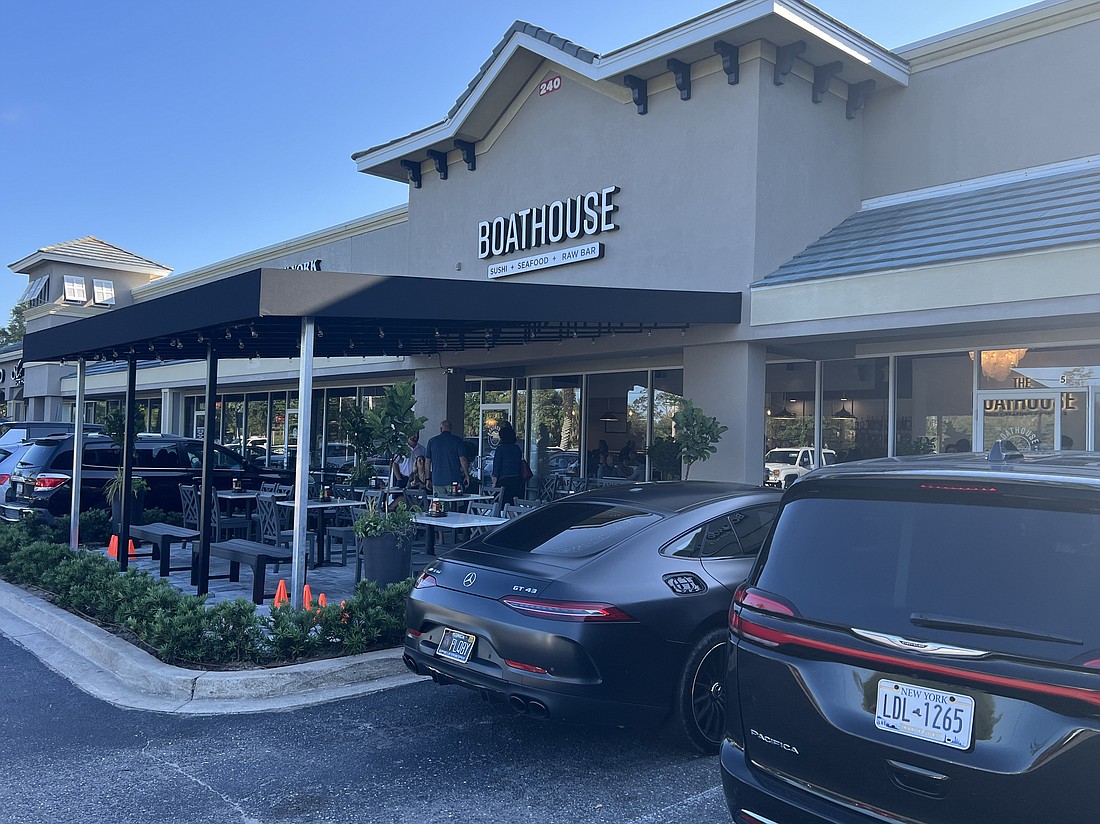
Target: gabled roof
pixel 524 48
pixel 1033 211
pixel 90 251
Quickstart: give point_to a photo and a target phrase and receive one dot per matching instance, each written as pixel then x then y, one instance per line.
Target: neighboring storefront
pixel 913 235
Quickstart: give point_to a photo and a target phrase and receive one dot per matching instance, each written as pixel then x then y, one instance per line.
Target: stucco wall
pixel 1026 104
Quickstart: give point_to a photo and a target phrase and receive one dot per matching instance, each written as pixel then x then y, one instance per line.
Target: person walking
pixel 507 467
pixel 447 463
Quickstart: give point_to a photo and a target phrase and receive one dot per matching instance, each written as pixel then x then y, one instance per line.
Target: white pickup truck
pixel 782 467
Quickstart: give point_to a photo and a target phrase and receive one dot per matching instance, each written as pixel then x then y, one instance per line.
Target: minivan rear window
pixel 568 528
pixel 895 565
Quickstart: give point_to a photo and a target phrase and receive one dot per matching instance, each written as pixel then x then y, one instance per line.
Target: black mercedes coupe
pixel 608 606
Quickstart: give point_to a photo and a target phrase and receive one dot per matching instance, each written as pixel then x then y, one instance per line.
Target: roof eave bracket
pixel 823 75
pixel 468 155
pixel 857 96
pixel 682 72
pixel 440 159
pixel 640 88
pixel 413 168
pixel 731 60
pixel 784 60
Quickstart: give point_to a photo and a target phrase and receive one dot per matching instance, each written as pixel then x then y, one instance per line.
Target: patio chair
pixel 528 503
pixel 495 503
pixel 512 511
pixel 548 487
pixel 227 526
pixel 284 490
pixel 189 503
pixel 344 534
pixel 478 508
pixel 268 487
pixel 271 528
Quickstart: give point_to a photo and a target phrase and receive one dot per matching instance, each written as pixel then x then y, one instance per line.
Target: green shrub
pixel 184 629
pixel 158 515
pixel 95 528
pixel 233 633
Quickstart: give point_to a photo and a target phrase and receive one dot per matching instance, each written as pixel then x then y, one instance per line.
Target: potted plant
pixel 696 434
pixel 383 542
pixel 384 431
pixel 112 491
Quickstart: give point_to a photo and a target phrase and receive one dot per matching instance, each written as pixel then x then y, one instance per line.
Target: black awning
pixel 258 314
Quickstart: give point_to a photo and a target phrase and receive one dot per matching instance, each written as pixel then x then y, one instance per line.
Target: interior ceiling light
pixel 843 413
pixel 608 416
pixel 997 364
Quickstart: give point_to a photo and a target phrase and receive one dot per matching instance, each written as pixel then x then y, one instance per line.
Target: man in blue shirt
pixel 447 462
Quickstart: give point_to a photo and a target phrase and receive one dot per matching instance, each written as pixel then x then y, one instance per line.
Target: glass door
pixel 493 418
pixel 1031 422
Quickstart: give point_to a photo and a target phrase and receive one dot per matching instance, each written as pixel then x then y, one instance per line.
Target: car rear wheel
pixel 699 714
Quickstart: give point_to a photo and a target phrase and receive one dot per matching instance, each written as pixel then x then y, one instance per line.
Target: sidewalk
pixel 116 671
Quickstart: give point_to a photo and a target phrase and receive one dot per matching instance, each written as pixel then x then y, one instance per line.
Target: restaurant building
pixel 888 252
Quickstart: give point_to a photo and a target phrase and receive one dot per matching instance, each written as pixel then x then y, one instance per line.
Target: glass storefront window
pixel 789 395
pixel 664 455
pixel 935 404
pixel 615 422
pixel 555 421
pixel 855 394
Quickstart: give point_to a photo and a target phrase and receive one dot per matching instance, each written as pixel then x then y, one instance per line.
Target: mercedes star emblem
pixel 468 581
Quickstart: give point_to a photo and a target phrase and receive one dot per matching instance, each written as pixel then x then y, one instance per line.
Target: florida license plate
pixel 933 715
pixel 456 646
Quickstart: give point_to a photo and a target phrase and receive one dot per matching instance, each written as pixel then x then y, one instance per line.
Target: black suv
pixel 42 478
pixel 920 641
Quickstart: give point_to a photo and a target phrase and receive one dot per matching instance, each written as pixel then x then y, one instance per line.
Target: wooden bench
pixel 256 555
pixel 162 536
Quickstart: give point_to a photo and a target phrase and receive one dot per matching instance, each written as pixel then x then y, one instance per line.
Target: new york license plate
pixel 933 715
pixel 456 646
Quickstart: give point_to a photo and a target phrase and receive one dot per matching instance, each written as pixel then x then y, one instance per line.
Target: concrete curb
pixel 116 671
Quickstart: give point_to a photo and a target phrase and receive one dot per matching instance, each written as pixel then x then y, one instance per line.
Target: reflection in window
pixel 935 404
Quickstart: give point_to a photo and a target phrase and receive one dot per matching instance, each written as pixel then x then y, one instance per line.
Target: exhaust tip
pixel 538 710
pixel 411 664
pixel 517 704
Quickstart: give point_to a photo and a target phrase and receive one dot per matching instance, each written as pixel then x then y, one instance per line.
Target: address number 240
pixel 550 84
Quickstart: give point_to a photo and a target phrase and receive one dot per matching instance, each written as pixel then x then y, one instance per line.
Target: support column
pixel 301 463
pixel 441 396
pixel 125 496
pixel 727 381
pixel 206 485
pixel 78 455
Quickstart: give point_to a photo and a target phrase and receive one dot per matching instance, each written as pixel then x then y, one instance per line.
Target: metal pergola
pixel 288 313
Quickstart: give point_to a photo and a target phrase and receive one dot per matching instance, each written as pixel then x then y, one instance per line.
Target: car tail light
pixel 959 487
pixel 758 600
pixel 525 667
pixel 424 580
pixel 413 633
pixel 4 477
pixel 567 610
pixel 1094 664
pixel 50 481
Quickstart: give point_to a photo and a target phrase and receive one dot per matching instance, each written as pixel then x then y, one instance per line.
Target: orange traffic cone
pixel 281 597
pixel 112 549
pixel 322 601
pixel 307 597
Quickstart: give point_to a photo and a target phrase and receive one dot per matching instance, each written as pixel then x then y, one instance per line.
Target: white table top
pixel 459 520
pixel 237 494
pixel 448 497
pixel 313 503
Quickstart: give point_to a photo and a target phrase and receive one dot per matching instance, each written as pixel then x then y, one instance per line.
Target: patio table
pixel 321 509
pixel 454 520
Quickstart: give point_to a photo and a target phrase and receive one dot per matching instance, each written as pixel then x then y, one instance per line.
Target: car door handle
pixel 917 780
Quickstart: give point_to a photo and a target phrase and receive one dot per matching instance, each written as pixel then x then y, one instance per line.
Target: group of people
pixel 442 462
pixel 625 464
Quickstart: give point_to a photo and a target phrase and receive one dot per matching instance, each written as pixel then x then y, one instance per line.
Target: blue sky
pixel 191 132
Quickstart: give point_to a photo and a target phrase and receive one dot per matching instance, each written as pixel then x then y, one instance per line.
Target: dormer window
pixel 104 292
pixel 76 290
pixel 36 293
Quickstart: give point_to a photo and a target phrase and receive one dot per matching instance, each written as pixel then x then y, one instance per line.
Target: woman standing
pixel 507 467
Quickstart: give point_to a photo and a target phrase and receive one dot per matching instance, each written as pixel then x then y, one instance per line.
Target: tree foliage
pixel 14 331
pixel 696 434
